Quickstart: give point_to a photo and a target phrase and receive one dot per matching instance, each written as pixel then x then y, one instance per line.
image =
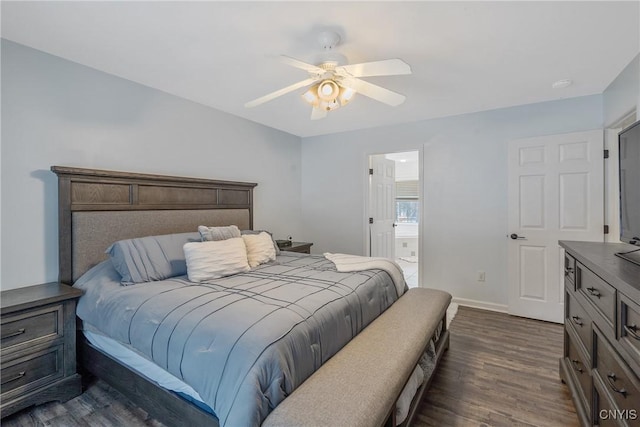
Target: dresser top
pixel 601 259
pixel 34 296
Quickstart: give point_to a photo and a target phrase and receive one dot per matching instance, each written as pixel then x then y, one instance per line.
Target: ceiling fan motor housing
pixel 328 39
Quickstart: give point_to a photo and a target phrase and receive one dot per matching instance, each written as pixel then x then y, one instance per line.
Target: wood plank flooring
pixel 500 370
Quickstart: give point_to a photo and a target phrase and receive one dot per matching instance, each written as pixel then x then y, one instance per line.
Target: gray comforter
pixel 243 342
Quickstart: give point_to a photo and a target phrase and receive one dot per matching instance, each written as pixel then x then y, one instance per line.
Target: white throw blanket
pixel 346 263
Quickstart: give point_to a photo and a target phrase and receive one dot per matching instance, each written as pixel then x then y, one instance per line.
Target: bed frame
pixel 98 207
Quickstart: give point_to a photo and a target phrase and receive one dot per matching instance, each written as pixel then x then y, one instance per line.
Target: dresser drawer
pixel 569 268
pixel 578 319
pixel 597 291
pixel 32 327
pixel 621 383
pixel 31 371
pixel 629 329
pixel 605 411
pixel 581 370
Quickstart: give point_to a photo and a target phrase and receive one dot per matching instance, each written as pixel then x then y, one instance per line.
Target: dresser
pixel 38 346
pixel 601 363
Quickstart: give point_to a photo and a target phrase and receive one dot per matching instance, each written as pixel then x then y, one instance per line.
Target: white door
pixel 556 191
pixel 382 212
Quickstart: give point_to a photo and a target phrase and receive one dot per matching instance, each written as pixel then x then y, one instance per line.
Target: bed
pixel 97 208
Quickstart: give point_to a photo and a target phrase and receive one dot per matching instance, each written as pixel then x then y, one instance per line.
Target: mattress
pixel 130 358
pixel 243 342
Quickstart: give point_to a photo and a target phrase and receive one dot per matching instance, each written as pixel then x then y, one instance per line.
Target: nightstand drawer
pixel 31 371
pixel 32 327
pixel 300 247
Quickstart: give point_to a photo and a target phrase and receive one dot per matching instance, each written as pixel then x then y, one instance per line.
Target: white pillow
pixel 260 248
pixel 211 260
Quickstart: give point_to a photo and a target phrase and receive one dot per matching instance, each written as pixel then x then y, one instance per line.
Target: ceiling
pixel 465 56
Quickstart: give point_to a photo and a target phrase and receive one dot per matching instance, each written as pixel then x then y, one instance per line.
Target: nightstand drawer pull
pixel 594 292
pixel 611 379
pixel 631 330
pixel 13 334
pixel 576 365
pixel 576 320
pixel 13 378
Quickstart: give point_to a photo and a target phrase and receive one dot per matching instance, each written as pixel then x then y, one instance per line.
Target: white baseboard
pixel 481 304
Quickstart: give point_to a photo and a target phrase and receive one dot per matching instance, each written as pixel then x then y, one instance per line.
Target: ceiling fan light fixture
pixel 311 95
pixel 328 90
pixel 346 94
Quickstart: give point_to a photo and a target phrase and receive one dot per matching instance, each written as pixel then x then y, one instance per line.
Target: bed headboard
pixel 98 207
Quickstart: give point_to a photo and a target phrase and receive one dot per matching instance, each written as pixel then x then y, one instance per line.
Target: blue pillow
pixel 150 258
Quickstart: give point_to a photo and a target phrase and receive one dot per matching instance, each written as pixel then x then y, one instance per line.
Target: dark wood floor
pixel 499 371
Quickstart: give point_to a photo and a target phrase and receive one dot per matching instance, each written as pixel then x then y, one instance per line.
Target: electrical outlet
pixel 481 276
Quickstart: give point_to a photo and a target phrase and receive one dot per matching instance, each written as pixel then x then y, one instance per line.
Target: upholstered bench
pixel 359 386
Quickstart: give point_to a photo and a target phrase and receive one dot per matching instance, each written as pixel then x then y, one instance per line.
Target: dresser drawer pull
pixel 594 292
pixel 13 334
pixel 568 271
pixel 576 365
pixel 631 330
pixel 13 378
pixel 576 320
pixel 611 378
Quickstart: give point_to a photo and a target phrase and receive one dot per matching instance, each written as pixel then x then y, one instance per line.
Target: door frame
pixel 367 190
pixel 611 171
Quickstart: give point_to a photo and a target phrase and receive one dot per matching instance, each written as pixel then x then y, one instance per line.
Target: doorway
pixel 394 209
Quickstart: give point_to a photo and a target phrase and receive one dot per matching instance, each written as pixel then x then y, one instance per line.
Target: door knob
pixel 514 236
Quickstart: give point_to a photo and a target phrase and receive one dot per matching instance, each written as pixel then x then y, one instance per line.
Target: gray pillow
pixel 150 258
pixel 260 231
pixel 211 234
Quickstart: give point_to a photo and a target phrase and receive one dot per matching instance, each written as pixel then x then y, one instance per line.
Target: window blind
pixel 407 189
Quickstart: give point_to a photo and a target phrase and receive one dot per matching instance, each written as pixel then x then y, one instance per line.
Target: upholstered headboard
pixel 98 207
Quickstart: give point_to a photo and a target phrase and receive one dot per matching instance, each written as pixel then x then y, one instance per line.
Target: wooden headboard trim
pixel 82 189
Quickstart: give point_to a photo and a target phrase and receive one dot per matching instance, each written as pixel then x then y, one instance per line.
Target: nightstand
pixel 302 247
pixel 38 346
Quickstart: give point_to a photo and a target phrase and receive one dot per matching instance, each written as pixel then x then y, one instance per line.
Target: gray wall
pixel 56 112
pixel 465 188
pixel 623 94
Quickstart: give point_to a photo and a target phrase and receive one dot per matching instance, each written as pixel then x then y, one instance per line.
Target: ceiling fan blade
pixel 310 68
pixel 318 113
pixel 280 92
pixel 373 91
pixel 389 67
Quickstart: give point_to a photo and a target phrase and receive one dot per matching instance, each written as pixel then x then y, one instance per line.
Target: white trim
pixel 501 308
pixel 626 120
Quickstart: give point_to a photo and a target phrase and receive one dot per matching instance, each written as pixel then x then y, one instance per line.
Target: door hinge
pixel 606 154
pixel 606 229
pixel 370 171
pixel 370 220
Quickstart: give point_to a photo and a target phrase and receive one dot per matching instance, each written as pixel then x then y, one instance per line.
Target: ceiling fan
pixel 333 85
